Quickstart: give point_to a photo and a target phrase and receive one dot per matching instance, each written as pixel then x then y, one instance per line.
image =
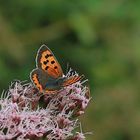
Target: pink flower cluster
pixel 27 114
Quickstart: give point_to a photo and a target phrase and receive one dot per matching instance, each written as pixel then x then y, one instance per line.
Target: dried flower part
pixel 23 117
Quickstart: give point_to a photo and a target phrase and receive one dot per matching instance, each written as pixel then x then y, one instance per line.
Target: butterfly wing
pixel 71 80
pixel 39 78
pixel 47 62
pixel 43 82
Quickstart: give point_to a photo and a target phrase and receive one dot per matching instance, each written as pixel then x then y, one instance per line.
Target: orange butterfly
pixel 48 77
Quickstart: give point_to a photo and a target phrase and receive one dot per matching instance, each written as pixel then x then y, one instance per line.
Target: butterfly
pixel 48 76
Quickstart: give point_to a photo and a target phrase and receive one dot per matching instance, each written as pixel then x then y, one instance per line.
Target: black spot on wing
pixel 50 55
pixel 55 67
pixel 47 68
pixel 52 62
pixel 45 62
pixel 47 56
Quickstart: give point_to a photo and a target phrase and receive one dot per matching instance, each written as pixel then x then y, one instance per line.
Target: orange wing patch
pixel 72 80
pixel 36 82
pixel 49 63
pixel 51 91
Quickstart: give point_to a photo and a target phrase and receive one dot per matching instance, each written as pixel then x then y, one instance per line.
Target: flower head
pixel 26 114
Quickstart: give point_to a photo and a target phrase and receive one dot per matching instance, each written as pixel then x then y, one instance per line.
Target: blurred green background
pixel 100 39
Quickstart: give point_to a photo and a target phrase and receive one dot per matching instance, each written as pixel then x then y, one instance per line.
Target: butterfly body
pixel 54 84
pixel 48 77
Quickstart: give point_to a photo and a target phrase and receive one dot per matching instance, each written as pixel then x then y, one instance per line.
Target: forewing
pixel 47 62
